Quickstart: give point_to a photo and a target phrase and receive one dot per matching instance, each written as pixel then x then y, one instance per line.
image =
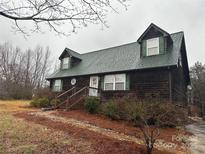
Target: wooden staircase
pixel 72 97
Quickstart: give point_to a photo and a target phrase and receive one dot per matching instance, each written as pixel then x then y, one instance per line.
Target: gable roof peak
pixel 152 25
pixel 71 53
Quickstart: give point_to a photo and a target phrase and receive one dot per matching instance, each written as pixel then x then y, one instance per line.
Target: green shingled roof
pixel 122 58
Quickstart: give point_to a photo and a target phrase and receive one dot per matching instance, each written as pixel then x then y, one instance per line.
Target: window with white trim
pixel 109 82
pixel 153 46
pixel 57 86
pixel 115 82
pixel 65 63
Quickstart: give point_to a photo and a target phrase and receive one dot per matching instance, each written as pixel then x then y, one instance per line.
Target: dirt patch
pixel 127 128
pixel 100 143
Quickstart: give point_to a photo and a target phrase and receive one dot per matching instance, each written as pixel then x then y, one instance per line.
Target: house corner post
pixel 170 86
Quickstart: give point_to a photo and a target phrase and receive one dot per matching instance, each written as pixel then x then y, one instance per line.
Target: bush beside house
pixel 110 109
pixel 41 102
pixel 92 104
pixel 153 112
pixel 44 97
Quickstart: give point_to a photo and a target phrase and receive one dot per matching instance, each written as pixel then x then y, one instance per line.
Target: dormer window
pixel 152 46
pixel 154 41
pixel 69 58
pixel 65 63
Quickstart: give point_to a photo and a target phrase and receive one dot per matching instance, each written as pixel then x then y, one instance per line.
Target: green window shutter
pixel 61 64
pixel 165 45
pixel 102 82
pixel 161 45
pixel 61 86
pixel 127 82
pixel 52 84
pixel 144 48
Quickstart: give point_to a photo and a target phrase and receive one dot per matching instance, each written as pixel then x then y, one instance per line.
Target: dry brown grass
pixel 15 105
pixel 19 136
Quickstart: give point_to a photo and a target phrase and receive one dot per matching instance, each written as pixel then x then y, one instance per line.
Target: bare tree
pixel 22 72
pixel 152 115
pixel 40 65
pixel 150 135
pixel 55 13
pixel 197 73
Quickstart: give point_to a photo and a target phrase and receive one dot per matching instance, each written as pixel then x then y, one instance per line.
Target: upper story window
pixel 152 46
pixel 115 82
pixel 65 63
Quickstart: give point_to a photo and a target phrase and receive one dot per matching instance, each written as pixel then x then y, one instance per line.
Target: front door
pixel 94 81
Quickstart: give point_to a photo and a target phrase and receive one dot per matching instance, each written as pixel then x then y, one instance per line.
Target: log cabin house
pixel 155 65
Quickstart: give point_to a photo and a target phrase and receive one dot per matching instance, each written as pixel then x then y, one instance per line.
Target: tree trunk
pixel 149 150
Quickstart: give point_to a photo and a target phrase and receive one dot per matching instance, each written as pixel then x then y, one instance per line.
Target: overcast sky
pixel 125 27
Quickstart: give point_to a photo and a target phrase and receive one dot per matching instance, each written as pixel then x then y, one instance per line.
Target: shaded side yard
pixel 25 130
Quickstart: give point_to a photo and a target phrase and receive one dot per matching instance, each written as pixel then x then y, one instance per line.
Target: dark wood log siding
pixel 181 78
pixel 143 84
pixel 107 95
pixel 179 86
pixel 146 84
pixel 153 83
pixel 81 82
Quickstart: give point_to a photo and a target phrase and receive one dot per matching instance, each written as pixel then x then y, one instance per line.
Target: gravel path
pixel 198 140
pixel 160 144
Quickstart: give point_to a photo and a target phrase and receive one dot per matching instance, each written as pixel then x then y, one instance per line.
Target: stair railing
pixel 61 95
pixel 80 94
pixel 65 92
pixel 83 92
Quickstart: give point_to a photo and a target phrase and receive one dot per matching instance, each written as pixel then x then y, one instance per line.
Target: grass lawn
pixel 14 105
pixel 19 136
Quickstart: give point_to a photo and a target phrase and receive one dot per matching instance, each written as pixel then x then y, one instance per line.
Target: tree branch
pixel 76 13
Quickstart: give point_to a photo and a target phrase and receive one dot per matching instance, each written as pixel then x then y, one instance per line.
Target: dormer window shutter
pixel 161 45
pixel 144 48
